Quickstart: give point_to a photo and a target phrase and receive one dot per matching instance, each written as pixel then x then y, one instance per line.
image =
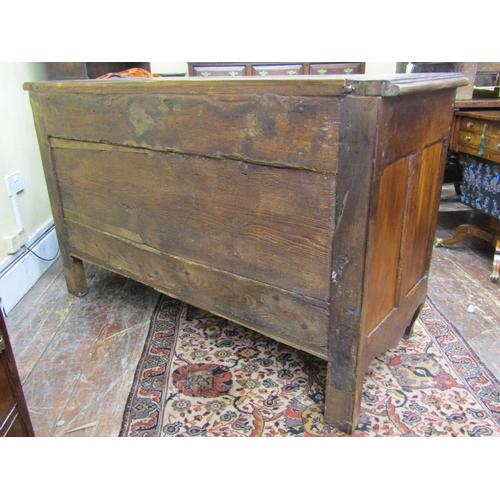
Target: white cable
pixel 15 184
pixel 17 211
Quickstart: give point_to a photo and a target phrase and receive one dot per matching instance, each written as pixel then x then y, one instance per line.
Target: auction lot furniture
pixel 476 137
pixel 303 208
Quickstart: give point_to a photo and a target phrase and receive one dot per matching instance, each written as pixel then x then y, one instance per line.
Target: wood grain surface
pixel 267 224
pixel 300 208
pixel 280 314
pixel 289 131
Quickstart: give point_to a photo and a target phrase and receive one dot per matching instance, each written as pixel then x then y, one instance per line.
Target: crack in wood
pixel 132 147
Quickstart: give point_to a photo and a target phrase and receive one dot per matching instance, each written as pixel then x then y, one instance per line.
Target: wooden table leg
pixel 496 262
pixel 487 230
pixel 465 230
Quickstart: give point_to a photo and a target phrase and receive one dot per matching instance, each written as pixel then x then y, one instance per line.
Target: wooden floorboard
pixel 77 356
pixel 118 333
pixel 460 284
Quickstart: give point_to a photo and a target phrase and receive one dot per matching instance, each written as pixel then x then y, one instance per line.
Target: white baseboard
pixel 19 272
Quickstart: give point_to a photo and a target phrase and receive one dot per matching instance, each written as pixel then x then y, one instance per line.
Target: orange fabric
pixel 137 72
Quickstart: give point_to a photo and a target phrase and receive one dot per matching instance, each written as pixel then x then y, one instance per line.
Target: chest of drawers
pixel 478 133
pixel 476 137
pixel 211 69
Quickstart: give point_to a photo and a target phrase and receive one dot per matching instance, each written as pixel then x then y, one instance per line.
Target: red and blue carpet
pixel 201 375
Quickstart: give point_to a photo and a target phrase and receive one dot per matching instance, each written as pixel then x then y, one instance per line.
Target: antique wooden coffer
pixel 303 208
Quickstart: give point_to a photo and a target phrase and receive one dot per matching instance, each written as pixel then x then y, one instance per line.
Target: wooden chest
pixel 301 207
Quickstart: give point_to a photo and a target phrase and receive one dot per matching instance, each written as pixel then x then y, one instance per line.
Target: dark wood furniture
pixel 476 134
pixel 303 207
pixel 14 415
pixel 453 170
pixel 269 69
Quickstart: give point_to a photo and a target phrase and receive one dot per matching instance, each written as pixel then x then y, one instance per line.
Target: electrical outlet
pixel 15 183
pixel 15 241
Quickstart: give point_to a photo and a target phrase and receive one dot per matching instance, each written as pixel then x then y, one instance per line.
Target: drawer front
pixel 336 68
pixel 469 139
pixel 278 70
pixel 210 69
pixel 492 144
pixel 478 127
pixel 469 143
pixel 219 71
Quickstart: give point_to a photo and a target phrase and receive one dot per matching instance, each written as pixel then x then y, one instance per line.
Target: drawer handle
pixel 292 72
pixel 233 73
pixel 205 73
pixel 498 145
pixel 263 73
pixel 467 138
pixel 322 71
pixel 348 70
pixel 470 124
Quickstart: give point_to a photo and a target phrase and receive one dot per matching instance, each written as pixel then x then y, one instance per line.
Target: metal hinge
pixel 2 345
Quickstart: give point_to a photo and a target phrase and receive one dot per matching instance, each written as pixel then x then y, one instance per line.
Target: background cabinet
pixel 14 417
pixel 274 69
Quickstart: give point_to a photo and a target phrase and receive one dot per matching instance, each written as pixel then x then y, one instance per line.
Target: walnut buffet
pixel 301 207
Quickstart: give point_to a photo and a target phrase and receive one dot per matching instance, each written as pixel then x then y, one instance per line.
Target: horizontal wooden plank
pixel 490 115
pixel 268 224
pixel 326 85
pixel 274 312
pixel 305 85
pixel 270 129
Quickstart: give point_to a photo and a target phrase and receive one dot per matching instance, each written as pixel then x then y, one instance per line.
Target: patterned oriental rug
pixel 201 375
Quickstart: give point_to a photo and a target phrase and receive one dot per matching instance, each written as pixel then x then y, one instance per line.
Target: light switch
pixel 15 183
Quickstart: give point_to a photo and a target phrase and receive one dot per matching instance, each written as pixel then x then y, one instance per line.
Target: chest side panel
pixel 404 207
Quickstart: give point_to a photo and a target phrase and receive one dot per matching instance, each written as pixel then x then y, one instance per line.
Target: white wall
pixel 19 151
pixel 169 67
pixel 386 68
